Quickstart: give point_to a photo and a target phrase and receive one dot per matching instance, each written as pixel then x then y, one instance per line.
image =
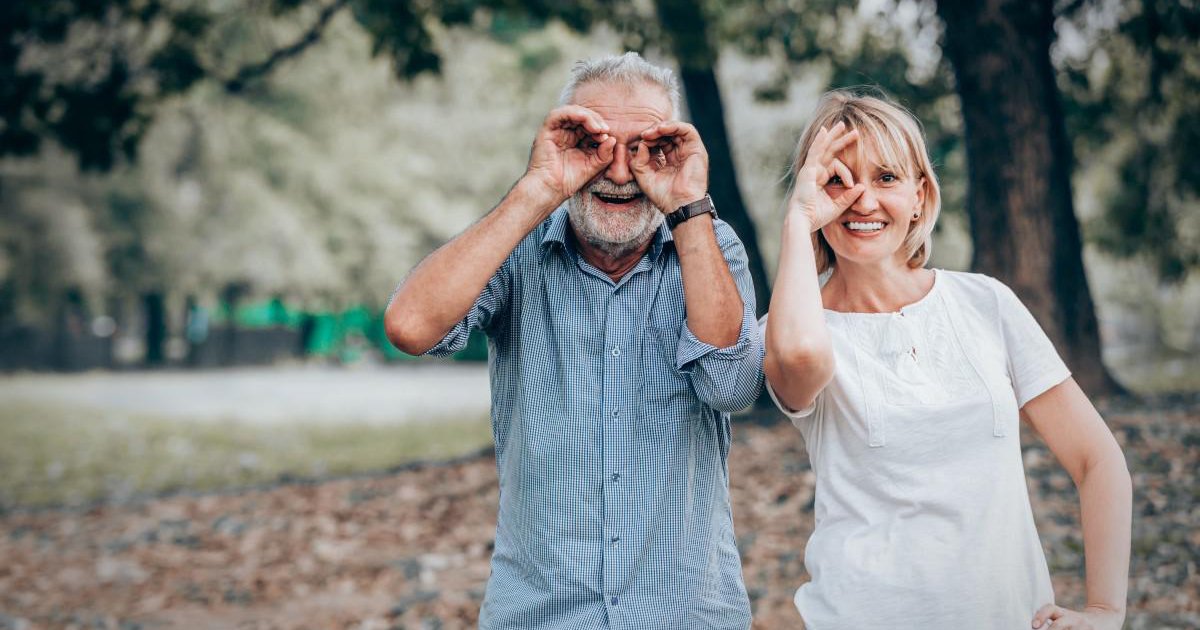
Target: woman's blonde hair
pixel 897 137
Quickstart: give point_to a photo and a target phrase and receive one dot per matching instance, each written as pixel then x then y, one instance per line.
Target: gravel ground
pixel 410 549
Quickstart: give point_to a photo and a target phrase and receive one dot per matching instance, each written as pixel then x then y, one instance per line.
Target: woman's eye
pixel 836 180
pixel 888 178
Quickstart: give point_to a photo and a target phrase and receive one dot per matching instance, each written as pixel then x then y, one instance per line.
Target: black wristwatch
pixel 696 208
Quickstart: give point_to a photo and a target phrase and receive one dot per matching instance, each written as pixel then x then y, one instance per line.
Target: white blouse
pixel 922 513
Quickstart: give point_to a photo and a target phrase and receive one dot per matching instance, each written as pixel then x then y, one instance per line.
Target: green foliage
pixel 1133 98
pixel 96 106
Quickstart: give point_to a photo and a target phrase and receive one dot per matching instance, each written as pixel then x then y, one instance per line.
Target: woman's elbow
pixel 801 356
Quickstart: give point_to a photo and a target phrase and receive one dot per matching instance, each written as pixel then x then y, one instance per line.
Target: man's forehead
pixel 619 101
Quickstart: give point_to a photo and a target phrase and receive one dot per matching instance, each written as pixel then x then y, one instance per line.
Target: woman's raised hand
pixel 809 198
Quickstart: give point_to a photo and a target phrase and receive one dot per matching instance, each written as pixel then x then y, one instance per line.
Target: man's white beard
pixel 614 233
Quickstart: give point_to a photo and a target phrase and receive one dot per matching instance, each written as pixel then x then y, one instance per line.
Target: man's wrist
pixel 535 195
pixel 684 212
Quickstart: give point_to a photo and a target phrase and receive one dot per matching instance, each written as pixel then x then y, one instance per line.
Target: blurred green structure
pixel 345 336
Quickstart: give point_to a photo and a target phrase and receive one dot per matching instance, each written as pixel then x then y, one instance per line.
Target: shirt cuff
pixel 691 349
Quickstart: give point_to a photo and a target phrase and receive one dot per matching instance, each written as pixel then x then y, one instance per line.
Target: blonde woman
pixel 907 384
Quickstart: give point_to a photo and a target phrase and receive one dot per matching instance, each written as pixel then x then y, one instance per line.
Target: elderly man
pixel 621 334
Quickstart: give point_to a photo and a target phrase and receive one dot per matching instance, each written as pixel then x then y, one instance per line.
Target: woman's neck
pixel 886 288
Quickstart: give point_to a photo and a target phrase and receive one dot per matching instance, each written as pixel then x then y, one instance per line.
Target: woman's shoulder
pixel 974 286
pixel 981 293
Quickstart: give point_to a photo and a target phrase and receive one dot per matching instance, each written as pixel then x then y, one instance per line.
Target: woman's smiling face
pixel 875 226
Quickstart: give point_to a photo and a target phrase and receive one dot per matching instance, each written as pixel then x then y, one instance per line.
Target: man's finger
pixel 641 158
pixel 570 115
pixel 674 129
pixel 604 152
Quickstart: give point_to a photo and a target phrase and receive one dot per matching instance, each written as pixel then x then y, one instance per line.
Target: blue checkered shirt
pixel 611 423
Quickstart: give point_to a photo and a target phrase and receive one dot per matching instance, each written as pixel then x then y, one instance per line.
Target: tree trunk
pixel 687 33
pixel 156 328
pixel 1019 161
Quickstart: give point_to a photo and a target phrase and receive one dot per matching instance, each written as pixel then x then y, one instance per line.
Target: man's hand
pixel 571 148
pixel 1091 618
pixel 671 165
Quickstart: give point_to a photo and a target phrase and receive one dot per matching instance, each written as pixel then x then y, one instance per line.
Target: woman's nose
pixel 866 203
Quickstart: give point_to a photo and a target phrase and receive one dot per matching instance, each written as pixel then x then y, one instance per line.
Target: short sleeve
pixel 796 416
pixel 1034 366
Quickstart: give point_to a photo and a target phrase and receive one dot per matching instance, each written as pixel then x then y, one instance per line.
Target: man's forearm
pixel 442 288
pixel 714 307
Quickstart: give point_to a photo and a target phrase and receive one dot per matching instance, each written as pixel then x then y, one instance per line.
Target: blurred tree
pixel 91 75
pixel 87 73
pixel 1135 92
pixel 1019 177
pixel 1018 197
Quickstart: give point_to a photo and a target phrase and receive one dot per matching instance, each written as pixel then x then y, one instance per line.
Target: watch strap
pixel 694 209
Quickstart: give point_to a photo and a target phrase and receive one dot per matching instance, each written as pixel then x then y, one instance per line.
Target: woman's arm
pixel 1076 434
pixel 799 354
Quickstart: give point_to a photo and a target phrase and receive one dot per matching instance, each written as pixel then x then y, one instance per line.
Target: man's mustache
pixel 607 187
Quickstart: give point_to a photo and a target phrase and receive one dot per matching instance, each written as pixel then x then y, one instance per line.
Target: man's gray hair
pixel 628 69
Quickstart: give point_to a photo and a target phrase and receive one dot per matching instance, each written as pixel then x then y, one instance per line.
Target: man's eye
pixel 588 144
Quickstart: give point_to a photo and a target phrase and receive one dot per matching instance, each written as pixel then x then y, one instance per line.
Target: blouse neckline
pixel 903 310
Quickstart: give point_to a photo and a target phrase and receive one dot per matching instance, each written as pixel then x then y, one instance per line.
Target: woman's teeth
pixel 864 226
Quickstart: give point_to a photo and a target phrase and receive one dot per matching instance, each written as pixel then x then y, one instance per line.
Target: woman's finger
pixel 1043 615
pixel 838 144
pixel 847 199
pixel 843 171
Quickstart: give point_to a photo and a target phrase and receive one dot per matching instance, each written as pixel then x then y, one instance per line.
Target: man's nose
pixel 618 171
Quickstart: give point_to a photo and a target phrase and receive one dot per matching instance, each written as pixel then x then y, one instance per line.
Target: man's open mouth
pixel 618 199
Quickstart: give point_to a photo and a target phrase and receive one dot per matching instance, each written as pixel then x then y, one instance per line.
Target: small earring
pixel 916 215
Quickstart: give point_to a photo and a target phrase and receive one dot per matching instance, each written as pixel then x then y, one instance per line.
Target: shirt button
pixel 616 413
pixel 615 540
pixel 614 600
pixel 616 352
pixel 616 477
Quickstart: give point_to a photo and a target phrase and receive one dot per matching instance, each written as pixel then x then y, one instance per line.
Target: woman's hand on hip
pixel 1090 618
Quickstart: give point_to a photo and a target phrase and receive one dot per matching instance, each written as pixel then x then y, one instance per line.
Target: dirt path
pixel 274 395
pixel 410 549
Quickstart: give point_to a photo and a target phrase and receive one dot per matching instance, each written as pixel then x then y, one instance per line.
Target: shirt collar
pixel 559 224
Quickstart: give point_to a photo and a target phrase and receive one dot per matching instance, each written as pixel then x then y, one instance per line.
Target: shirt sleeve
pixel 489 309
pixel 1034 366
pixel 795 415
pixel 727 379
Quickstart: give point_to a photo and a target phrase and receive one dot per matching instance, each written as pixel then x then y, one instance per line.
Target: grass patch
pixel 54 455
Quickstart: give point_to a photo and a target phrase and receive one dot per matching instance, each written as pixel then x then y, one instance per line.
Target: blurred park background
pixel 205 205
